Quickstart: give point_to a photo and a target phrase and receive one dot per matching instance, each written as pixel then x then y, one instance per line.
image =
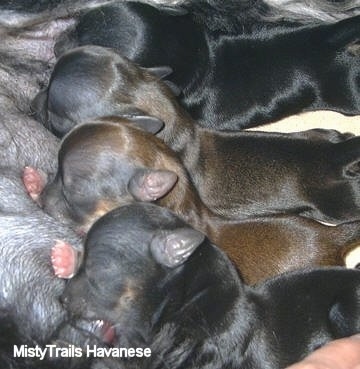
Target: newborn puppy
pixel 238 63
pixel 237 174
pixel 159 284
pixel 106 164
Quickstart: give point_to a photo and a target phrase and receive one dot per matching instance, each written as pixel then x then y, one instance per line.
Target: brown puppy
pixel 107 164
pixel 237 174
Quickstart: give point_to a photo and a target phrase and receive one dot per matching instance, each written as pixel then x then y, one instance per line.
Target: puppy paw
pixel 34 182
pixel 63 259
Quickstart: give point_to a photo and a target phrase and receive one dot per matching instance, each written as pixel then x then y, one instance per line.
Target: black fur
pixel 252 72
pixel 197 313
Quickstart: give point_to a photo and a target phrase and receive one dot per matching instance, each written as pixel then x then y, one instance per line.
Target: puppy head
pixel 132 256
pixel 106 164
pixel 90 82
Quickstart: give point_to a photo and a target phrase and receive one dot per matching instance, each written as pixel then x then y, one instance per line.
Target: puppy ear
pixel 38 106
pixel 173 248
pixel 173 87
pixel 150 185
pixel 161 71
pixel 146 123
pixel 140 119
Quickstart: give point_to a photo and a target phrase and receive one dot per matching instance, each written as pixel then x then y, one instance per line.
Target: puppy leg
pixel 34 181
pixel 64 259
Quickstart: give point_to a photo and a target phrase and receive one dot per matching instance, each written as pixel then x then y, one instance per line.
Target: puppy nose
pixel 74 305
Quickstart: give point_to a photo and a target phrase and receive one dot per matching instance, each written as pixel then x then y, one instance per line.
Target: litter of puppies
pixel 134 231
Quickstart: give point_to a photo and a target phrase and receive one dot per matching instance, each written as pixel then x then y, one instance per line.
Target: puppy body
pixel 161 285
pixel 235 69
pixel 106 164
pixel 237 174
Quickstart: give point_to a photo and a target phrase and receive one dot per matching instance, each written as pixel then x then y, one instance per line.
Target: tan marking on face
pixel 127 297
pixel 101 208
pixel 354 49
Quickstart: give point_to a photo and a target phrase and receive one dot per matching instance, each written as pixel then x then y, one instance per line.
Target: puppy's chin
pixel 83 226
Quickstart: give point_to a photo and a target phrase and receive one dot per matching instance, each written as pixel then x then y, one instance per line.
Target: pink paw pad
pixel 33 181
pixel 63 259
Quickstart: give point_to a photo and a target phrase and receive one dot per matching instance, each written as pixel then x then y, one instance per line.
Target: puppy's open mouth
pixel 101 329
pixel 104 330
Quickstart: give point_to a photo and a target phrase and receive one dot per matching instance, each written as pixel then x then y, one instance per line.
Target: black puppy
pixel 159 284
pixel 236 174
pixel 243 71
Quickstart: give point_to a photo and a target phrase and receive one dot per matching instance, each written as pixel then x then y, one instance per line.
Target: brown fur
pixel 261 247
pixel 238 175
